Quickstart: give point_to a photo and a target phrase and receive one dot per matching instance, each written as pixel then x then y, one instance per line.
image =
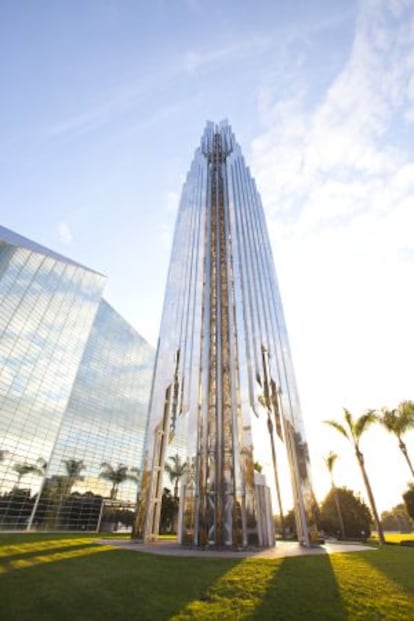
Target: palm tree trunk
pixel 360 459
pixel 112 495
pixel 405 453
pixel 276 474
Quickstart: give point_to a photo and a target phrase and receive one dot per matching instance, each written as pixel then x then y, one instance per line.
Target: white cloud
pixel 337 183
pixel 194 60
pixel 65 233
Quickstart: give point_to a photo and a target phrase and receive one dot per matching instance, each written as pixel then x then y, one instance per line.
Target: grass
pixel 391 537
pixel 69 577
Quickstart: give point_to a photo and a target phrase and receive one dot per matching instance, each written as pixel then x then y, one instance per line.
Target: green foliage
pixel 21 502
pixel 73 469
pixel 356 515
pixel 397 519
pixel 330 460
pixel 362 423
pixel 354 427
pixel 409 500
pixel 22 470
pixel 175 470
pixel 353 431
pixel 290 525
pixel 117 476
pixel 169 507
pixel 400 420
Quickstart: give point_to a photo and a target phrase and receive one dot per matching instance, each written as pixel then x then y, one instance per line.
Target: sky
pixel 102 105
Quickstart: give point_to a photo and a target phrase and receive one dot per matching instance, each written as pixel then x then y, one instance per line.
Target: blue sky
pixel 102 105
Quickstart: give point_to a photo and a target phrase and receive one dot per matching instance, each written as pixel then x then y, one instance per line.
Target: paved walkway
pixel 281 550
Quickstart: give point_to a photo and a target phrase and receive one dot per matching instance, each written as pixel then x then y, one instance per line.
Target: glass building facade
pixel 74 389
pixel 224 400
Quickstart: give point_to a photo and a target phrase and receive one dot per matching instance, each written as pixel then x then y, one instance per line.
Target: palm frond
pixel 363 422
pixel 349 421
pixel 107 476
pixel 406 416
pixel 41 466
pixel 388 419
pixel 23 469
pixel 330 460
pixel 115 475
pixel 74 467
pixel 170 471
pixel 339 428
pixel 177 468
pixel 400 420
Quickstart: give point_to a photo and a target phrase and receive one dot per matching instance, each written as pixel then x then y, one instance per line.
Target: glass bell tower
pixel 224 403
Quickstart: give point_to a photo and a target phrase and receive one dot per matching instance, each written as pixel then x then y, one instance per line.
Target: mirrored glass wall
pixel 74 389
pixel 225 406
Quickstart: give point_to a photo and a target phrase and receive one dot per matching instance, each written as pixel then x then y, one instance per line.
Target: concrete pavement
pixel 281 550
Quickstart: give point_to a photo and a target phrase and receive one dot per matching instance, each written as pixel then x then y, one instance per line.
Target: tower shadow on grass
pixel 376 585
pixel 76 579
pixel 303 588
pixel 396 563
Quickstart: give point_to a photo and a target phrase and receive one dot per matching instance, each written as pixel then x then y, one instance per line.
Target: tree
pixel 168 511
pixel 397 519
pixel 408 497
pixel 15 508
pixel 117 476
pixel 330 460
pixel 23 469
pixel 175 471
pixel 290 524
pixel 74 468
pixel 399 421
pixel 356 515
pixel 353 431
pixel 41 467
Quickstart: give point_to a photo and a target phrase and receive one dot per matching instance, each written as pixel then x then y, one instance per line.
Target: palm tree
pixel 22 470
pixel 40 467
pixel 62 486
pixel 330 460
pixel 352 431
pixel 398 422
pixel 74 468
pixel 175 471
pixel 117 476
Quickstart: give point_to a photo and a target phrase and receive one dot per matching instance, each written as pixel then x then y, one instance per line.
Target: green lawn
pixel 65 577
pixel 394 537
